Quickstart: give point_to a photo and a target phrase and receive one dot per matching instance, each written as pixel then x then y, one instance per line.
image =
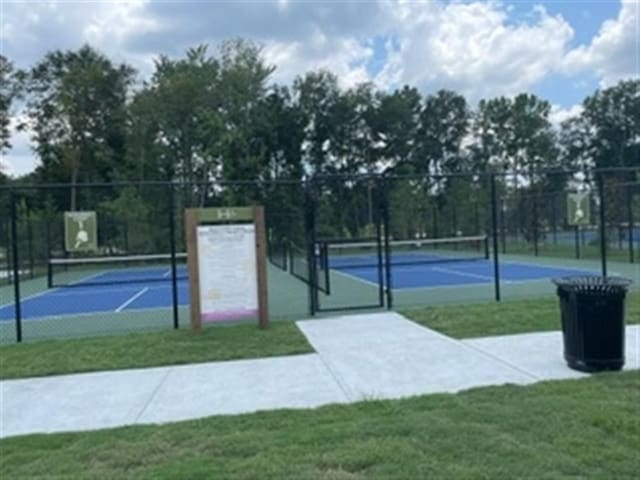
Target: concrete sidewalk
pixel 358 357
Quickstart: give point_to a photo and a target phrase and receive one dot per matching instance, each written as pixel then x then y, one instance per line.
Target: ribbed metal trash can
pixel 593 324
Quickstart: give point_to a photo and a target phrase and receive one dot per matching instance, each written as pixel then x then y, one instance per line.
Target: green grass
pixel 226 342
pixel 587 428
pixel 486 319
pixel 169 347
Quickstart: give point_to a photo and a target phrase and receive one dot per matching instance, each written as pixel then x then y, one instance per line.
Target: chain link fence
pixel 334 244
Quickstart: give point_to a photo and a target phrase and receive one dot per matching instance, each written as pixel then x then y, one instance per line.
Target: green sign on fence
pixel 578 209
pixel 80 231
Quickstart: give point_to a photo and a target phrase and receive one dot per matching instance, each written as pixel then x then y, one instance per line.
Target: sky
pixel 560 50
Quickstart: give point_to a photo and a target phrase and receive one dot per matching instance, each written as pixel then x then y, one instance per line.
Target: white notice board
pixel 227 271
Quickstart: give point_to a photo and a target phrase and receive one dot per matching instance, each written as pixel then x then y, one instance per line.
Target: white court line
pixel 137 295
pixel 462 274
pixel 45 292
pixel 355 277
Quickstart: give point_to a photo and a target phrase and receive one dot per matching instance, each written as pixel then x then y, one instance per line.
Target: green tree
pixel 246 141
pixel 8 92
pixel 175 121
pixel 444 120
pixel 77 112
pixel 395 128
pixel 612 125
pixel 317 95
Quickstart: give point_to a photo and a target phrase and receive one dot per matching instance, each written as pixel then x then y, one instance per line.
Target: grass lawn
pixel 587 428
pixel 226 342
pixel 486 319
pixel 167 347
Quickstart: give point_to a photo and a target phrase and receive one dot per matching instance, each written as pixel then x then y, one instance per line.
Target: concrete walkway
pixel 358 357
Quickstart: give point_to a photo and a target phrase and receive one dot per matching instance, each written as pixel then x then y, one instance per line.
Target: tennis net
pixel 92 271
pixel 345 255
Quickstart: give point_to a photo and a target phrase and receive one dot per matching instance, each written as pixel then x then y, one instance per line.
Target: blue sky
pixel 560 50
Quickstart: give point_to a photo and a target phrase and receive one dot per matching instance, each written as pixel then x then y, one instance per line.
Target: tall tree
pixel 612 120
pixel 10 80
pixel 395 127
pixel 443 125
pixel 317 95
pixel 244 77
pixel 175 119
pixel 77 113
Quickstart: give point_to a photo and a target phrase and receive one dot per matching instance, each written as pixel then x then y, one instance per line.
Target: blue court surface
pixel 459 273
pixel 105 292
pixel 150 288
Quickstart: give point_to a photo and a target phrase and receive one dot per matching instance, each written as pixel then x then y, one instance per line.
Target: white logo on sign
pixel 82 236
pixel 226 213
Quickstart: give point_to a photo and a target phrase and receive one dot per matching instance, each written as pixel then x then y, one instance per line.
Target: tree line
pixel 217 116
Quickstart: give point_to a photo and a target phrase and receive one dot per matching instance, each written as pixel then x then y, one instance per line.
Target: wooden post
pixel 261 267
pixel 191 226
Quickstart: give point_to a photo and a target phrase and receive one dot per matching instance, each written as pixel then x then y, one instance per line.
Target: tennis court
pixel 82 287
pixel 102 287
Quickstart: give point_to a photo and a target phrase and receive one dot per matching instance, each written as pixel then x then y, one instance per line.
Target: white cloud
pixel 472 48
pixel 613 52
pixel 559 114
pixel 20 159
pixel 347 59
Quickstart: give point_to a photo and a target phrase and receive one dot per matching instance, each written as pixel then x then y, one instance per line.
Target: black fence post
pixel 603 227
pixel 554 220
pixel 387 245
pixel 30 241
pixel 630 225
pixel 310 246
pixel 503 230
pixel 494 225
pixel 379 244
pixel 174 273
pixel 16 267
pixel 9 252
pixel 535 226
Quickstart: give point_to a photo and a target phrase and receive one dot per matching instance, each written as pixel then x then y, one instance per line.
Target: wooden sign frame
pixel 195 217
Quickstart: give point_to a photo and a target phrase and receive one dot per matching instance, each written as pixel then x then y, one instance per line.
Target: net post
pixel 494 228
pixel 630 226
pixel 172 241
pixel 49 274
pixel 577 241
pixel 603 227
pixel 16 266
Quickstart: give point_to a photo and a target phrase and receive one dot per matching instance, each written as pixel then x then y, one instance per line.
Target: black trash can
pixel 593 326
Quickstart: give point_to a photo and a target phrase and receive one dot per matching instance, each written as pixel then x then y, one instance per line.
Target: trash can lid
pixel 593 283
